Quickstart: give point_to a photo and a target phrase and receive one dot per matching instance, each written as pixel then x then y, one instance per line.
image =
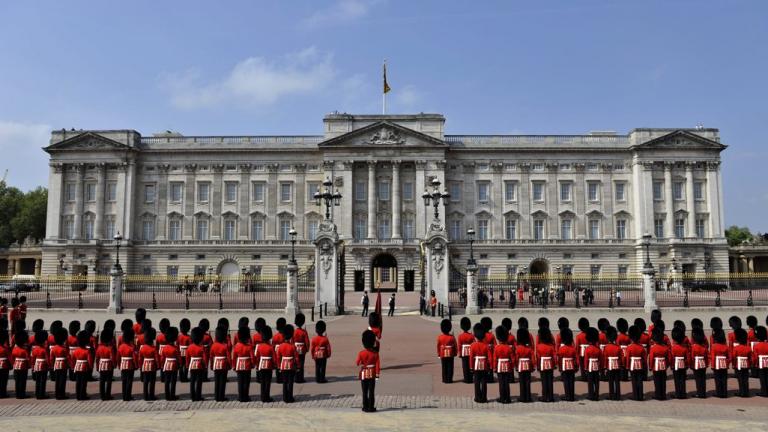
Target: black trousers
pixel 466 371
pixel 593 385
pixel 525 387
pixel 447 363
pixel 81 385
pixel 569 381
pixel 183 371
pixel 504 396
pixel 300 371
pixel 4 383
pixel 320 365
pixel 700 376
pixel 60 386
pixel 679 376
pixel 481 386
pixel 169 381
pixel 244 386
pixel 614 384
pixel 365 309
pixel 721 383
pixel 20 381
pixel 105 385
pixel 392 311
pixel 369 393
pixel 288 379
pixel 40 384
pixel 149 379
pixel 265 379
pixel 660 385
pixel 547 385
pixel 762 374
pixel 638 378
pixel 624 374
pixel 742 376
pixel 126 377
pixel 196 378
pixel 220 385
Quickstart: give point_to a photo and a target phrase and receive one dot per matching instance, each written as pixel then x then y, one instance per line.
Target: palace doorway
pixel 384 272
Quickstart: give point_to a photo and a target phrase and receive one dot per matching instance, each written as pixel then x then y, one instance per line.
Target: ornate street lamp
pixel 471 238
pixel 118 238
pixel 434 197
pixel 329 197
pixel 647 244
pixel 292 233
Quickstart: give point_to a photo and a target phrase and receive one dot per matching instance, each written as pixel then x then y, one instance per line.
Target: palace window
pixel 658 227
pixel 621 229
pixel 510 191
pixel 111 192
pixel 149 193
pixel 677 190
pixel 285 229
pixel 384 190
pixel 202 229
pixel 565 191
pixel 312 226
pixel 109 227
pixel 230 192
pixel 174 229
pixel 257 229
pixel 622 271
pixel 230 229
pixel 203 192
pixel 286 192
pixel 312 189
pixel 88 227
pixel 407 191
pixel 594 229
pixel 360 191
pixel 69 192
pixel 258 192
pixel 361 227
pixel 483 192
pixel 658 191
pixel 454 189
pixel 680 227
pixel 408 228
pixel 455 229
pixel 90 192
pixel 538 191
pixel 482 229
pixel 148 229
pixel 620 192
pixel 177 192
pixel 510 229
pixel 538 229
pixel 384 227
pixel 698 191
pixel 593 191
pixel 700 233
pixel 566 229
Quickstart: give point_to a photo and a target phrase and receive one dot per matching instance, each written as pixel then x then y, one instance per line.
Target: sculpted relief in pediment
pixel 386 136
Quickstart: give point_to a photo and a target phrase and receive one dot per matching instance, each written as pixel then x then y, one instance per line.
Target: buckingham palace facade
pixel 538 203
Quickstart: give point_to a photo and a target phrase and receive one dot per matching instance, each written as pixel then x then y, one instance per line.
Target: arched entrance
pixel 384 272
pixel 539 274
pixel 229 273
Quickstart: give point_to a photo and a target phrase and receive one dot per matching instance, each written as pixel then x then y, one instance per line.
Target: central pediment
pixel 88 141
pixel 384 134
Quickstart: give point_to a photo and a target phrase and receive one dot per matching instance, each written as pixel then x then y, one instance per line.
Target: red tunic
pixel 301 341
pixel 504 358
pixel 480 356
pixel 149 360
pixel 20 358
pixel 59 357
pixel 242 357
pixel 593 359
pixel 659 357
pixel 581 344
pixel 82 360
pixel 5 358
pixel 613 357
pixel 39 359
pixel 287 357
pixel 464 342
pixel 681 356
pixel 219 356
pixel 567 359
pixel 760 355
pixel 719 356
pixel 368 361
pixel 183 341
pixel 446 346
pixel 742 357
pixel 547 356
pixel 170 359
pixel 197 357
pixel 320 347
pixel 636 358
pixel 105 358
pixel 265 356
pixel 558 340
pixel 137 329
pixel 699 356
pixel 128 358
pixel 525 359
pixel 277 339
pixel 256 339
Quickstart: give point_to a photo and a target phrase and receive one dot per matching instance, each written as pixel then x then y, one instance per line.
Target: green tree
pixel 737 235
pixel 30 220
pixel 10 202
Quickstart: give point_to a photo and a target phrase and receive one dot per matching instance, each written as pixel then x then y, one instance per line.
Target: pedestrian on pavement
pixel 365 301
pixel 422 304
pixel 392 305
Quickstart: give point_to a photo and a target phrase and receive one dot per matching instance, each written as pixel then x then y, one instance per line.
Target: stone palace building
pixel 538 203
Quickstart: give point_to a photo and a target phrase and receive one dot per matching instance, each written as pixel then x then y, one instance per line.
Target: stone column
pixel 438 267
pixel 17 266
pixel 217 198
pixel 189 198
pixel 55 199
pixel 689 201
pixel 372 200
pixel 273 190
pixel 420 187
pixel 244 201
pixel 669 220
pixel 472 305
pixel 161 228
pixel 326 267
pixel 38 266
pixel 649 289
pixel 79 201
pixel 115 290
pixel 11 267
pixel 101 184
pixel 497 202
pixel 292 302
pixel 396 199
pixel 345 217
pixel 579 199
pixel 750 265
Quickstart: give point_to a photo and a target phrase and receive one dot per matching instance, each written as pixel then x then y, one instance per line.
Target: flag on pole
pixel 377 308
pixel 386 86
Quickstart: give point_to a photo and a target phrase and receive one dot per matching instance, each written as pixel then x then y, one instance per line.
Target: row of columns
pixel 14 266
pixel 394 196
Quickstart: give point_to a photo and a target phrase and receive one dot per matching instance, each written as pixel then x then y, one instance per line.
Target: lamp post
pixel 292 305
pixel 61 266
pixel 118 238
pixel 292 233
pixel 471 238
pixel 647 244
pixel 330 198
pixel 434 197
pixel 648 275
pixel 473 306
pixel 116 280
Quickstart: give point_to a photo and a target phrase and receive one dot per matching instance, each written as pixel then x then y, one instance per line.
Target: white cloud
pixel 341 11
pixel 407 97
pixel 254 81
pixel 21 146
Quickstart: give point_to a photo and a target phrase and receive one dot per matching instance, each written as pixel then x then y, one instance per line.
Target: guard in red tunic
pixel 149 359
pixel 735 323
pixel 277 339
pixel 593 361
pixel 301 342
pixel 128 360
pixel 742 361
pixel 5 362
pixel 321 352
pixel 38 358
pixel 760 358
pixel 256 339
pixel 464 341
pixel 582 344
pixel 659 359
pixel 14 316
pixel 568 363
pixel 184 341
pixel 20 361
pixel 645 341
pixel 23 308
pixel 265 362
pixel 681 361
pixel 446 350
pixel 368 362
pixel 525 359
pixel 699 360
pixel 613 359
pixel 3 309
pixel 138 326
pixel 242 363
pixel 511 341
pixel 206 343
pixel 623 341
pixel 287 362
pixel 546 355
pixel 504 362
pixel 60 362
pixel 74 329
pixel 170 362
pixel 104 362
pixel 220 364
pixel 752 341
pixel 562 324
pixel 715 324
pixel 480 360
pixel 197 364
pixel 719 359
pixel 82 364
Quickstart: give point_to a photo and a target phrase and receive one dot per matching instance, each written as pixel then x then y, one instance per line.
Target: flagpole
pixel 384 103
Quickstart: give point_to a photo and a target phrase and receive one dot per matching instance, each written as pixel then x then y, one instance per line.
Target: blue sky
pixel 544 67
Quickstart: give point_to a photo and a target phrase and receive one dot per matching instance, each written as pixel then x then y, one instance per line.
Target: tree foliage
pixel 22 214
pixel 737 235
